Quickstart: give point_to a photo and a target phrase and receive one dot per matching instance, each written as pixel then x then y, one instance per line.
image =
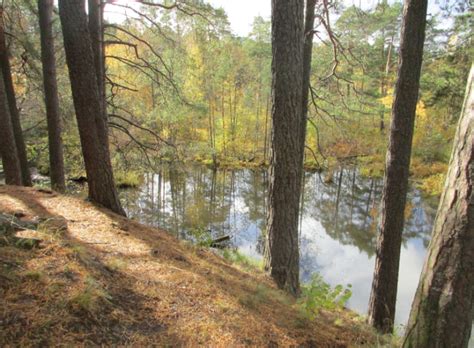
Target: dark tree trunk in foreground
pixel 80 61
pixel 442 312
pixel 282 252
pixel 12 107
pixel 56 161
pixel 96 32
pixel 384 286
pixel 8 151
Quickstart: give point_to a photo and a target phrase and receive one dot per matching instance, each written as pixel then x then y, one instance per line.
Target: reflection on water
pixel 337 221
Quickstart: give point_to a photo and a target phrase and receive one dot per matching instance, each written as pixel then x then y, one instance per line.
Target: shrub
pixel 201 237
pixel 433 185
pixel 319 295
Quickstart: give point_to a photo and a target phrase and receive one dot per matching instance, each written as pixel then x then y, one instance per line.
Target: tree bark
pixel 56 160
pixel 442 312
pixel 282 252
pixel 12 106
pixel 80 59
pixel 307 57
pixel 265 137
pixel 96 32
pixel 8 151
pixel 384 286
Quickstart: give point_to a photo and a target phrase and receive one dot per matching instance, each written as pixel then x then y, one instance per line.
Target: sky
pixel 241 13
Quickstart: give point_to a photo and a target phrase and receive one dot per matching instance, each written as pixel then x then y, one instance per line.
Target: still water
pixel 337 221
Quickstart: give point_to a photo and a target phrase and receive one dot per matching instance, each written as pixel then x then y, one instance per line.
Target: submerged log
pixel 218 242
pixel 80 179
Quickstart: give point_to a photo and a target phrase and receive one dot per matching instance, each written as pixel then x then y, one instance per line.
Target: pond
pixel 337 221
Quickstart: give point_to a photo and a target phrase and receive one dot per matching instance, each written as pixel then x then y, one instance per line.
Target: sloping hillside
pixel 98 278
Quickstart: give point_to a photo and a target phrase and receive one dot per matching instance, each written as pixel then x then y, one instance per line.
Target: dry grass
pixel 101 279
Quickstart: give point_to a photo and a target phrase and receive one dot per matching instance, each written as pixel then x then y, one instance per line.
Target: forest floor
pixel 102 279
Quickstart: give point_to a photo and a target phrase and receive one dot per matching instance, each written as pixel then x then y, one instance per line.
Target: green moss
pixel 128 179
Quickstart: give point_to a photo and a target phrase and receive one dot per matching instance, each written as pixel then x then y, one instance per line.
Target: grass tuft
pixel 33 275
pixel 244 261
pixel 90 298
pixel 116 264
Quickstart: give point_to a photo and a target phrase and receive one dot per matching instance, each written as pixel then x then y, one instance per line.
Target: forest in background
pixel 182 87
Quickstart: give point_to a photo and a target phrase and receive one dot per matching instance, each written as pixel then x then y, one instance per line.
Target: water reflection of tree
pixel 232 202
pixel 208 204
pixel 253 192
pixel 348 208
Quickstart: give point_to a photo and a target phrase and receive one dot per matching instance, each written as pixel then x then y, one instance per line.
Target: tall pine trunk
pixel 282 251
pixel 56 160
pixel 80 59
pixel 96 32
pixel 8 151
pixel 384 287
pixel 307 57
pixel 12 106
pixel 442 312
